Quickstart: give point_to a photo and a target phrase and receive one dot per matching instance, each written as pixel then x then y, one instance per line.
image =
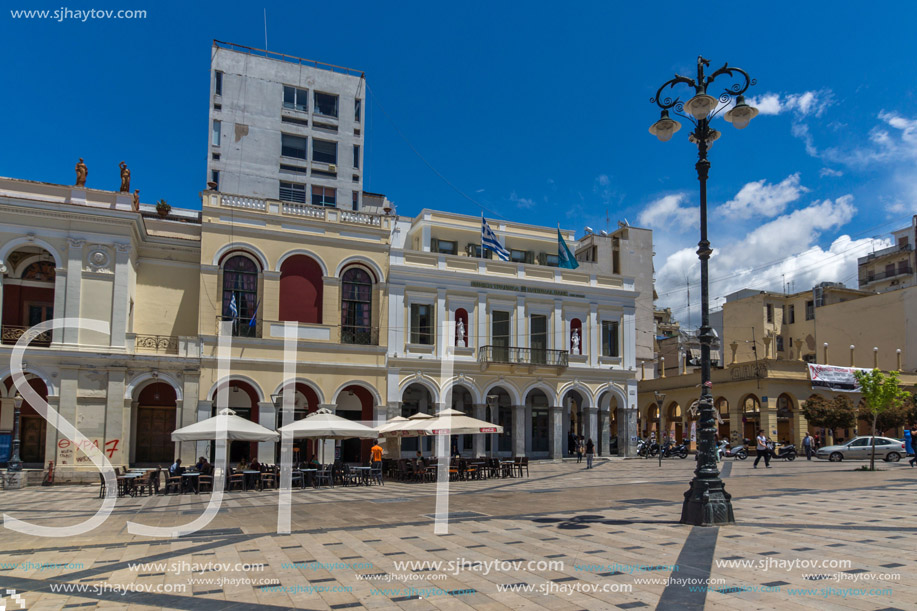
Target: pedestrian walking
pixel 579 449
pixel 763 450
pixel 914 444
pixel 590 451
pixel 807 446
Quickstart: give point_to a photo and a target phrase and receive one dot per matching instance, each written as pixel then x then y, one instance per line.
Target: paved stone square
pixel 562 539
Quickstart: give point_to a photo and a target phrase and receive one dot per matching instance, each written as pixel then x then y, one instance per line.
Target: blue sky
pixel 537 111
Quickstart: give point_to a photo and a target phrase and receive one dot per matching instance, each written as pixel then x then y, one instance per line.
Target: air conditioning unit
pixel 332 168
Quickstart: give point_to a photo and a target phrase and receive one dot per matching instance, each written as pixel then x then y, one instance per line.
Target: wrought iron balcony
pixel 898 271
pixel 241 327
pixel 365 336
pixel 514 355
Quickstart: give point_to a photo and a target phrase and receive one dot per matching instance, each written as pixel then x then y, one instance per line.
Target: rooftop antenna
pixel 607 220
pixel 265 28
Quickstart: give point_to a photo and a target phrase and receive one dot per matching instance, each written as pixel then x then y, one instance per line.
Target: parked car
pixel 860 448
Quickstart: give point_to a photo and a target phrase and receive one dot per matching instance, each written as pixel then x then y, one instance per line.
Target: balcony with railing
pixel 901 270
pixel 514 355
pixel 327 214
pixel 276 329
pixel 10 334
pixel 159 344
pixel 891 250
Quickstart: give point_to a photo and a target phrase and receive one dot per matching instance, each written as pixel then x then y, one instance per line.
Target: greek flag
pixel 251 323
pixel 489 241
pixel 233 308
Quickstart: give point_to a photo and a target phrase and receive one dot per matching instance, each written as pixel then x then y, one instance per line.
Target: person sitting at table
pixel 176 469
pixel 201 465
pixel 313 463
pixel 418 459
pixel 255 466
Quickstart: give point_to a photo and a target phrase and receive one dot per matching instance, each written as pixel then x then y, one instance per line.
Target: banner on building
pixel 830 377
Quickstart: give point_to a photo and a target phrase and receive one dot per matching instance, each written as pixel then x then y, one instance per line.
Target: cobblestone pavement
pixel 810 535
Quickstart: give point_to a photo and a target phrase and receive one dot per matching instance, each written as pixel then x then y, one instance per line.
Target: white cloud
pixel 667 212
pixel 828 172
pixel 893 140
pixel 782 250
pixel 806 104
pixel 896 208
pixel 521 202
pixel 761 199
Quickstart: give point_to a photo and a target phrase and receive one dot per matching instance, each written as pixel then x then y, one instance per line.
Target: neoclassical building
pixel 201 307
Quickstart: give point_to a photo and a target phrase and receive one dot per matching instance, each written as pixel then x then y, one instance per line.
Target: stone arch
pixel 365 262
pixel 476 396
pixel 550 392
pixel 15 243
pixel 507 386
pixel 242 248
pixel 296 381
pixel 579 387
pixel 301 251
pixel 139 382
pixel 369 387
pixel 31 371
pixel 235 377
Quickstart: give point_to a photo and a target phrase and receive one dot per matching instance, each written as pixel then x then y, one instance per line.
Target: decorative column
pixel 556 432
pixel 852 348
pixel 595 349
pixel 518 430
pixel 591 428
pixel 3 270
pixel 392 445
pixel 117 423
pixel 768 420
pixel 69 384
pixel 441 318
pixel 604 432
pixel 734 346
pixel 480 412
pixel 267 417
pixel 74 280
pixel 120 301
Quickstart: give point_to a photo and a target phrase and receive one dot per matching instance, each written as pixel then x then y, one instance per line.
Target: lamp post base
pixel 707 504
pixel 14 480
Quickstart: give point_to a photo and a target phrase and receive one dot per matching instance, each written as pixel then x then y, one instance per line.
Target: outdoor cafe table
pixel 126 483
pixel 251 473
pixel 308 472
pixel 364 474
pixel 192 481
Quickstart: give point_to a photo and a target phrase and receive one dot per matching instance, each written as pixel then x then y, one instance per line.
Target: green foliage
pixel 881 395
pixel 838 413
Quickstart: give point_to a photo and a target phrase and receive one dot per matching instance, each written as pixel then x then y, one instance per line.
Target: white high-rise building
pixel 285 128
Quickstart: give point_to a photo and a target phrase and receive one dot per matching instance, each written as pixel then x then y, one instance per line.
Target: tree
pixel 891 418
pixel 881 394
pixel 838 413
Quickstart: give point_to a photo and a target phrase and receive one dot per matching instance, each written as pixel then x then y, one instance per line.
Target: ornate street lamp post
pixel 660 399
pixel 706 502
pixel 15 464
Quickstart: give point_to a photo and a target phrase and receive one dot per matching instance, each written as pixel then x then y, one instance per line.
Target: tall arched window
pixel 301 290
pixel 356 307
pixel 240 295
pixel 461 330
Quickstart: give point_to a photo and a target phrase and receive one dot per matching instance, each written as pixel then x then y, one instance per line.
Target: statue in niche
pixel 81 172
pixel 125 178
pixel 574 340
pixel 460 334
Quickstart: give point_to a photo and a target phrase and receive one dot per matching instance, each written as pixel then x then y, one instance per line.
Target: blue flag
pixel 565 258
pixel 251 323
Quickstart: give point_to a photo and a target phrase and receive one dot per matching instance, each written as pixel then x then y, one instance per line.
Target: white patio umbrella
pixel 323 424
pixel 236 427
pixel 452 422
pixel 400 426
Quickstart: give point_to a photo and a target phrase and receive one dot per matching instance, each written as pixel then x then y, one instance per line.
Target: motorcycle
pixel 785 451
pixel 642 447
pixel 738 452
pixel 671 449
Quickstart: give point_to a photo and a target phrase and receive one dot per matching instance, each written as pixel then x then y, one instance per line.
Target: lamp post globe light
pixel 706 502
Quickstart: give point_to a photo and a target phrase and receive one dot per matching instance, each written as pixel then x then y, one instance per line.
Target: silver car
pixel 860 448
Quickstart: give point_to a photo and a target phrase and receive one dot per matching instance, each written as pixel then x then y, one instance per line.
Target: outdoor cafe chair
pixel 324 474
pixel 174 484
pixel 102 487
pixel 236 478
pixel 268 479
pixel 144 483
pixel 205 479
pixel 297 476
